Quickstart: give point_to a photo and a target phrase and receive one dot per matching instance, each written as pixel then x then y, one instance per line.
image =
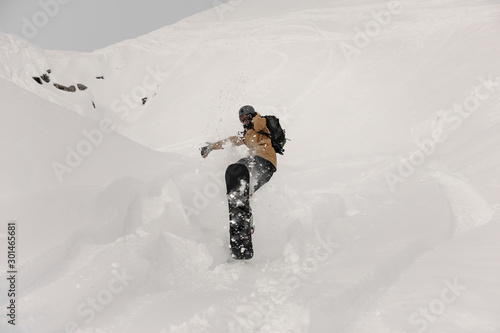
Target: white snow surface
pixel 365 227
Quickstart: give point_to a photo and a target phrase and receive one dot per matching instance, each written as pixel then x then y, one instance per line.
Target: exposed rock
pixel 144 100
pixel 61 87
pixel 37 79
pixel 100 77
pixel 81 86
pixel 49 71
pixel 45 77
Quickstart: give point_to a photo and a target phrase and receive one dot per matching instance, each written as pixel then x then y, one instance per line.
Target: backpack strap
pixel 266 134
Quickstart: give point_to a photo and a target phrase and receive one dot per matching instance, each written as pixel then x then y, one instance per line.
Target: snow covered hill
pixel 382 217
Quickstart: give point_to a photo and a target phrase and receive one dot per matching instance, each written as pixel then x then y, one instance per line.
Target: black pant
pixel 260 169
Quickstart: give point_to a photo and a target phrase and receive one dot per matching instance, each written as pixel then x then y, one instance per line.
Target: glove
pixel 206 150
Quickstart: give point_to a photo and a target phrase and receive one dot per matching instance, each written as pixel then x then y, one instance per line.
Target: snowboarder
pixel 259 166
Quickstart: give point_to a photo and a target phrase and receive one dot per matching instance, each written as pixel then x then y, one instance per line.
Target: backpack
pixel 277 135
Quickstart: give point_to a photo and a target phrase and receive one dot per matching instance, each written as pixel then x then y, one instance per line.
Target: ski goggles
pixel 245 117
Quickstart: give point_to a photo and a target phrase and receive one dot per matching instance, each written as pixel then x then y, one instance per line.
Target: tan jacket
pixel 258 144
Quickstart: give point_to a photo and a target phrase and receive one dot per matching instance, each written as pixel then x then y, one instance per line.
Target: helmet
pixel 247 109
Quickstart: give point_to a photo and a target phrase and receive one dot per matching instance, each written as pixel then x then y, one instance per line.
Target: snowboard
pixel 238 190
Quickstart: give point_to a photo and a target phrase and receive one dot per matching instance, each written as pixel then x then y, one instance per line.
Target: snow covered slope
pixel 382 217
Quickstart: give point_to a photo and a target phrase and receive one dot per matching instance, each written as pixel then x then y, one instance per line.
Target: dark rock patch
pixel 61 87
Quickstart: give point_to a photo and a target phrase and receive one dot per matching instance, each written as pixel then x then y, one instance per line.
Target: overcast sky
pixel 86 25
